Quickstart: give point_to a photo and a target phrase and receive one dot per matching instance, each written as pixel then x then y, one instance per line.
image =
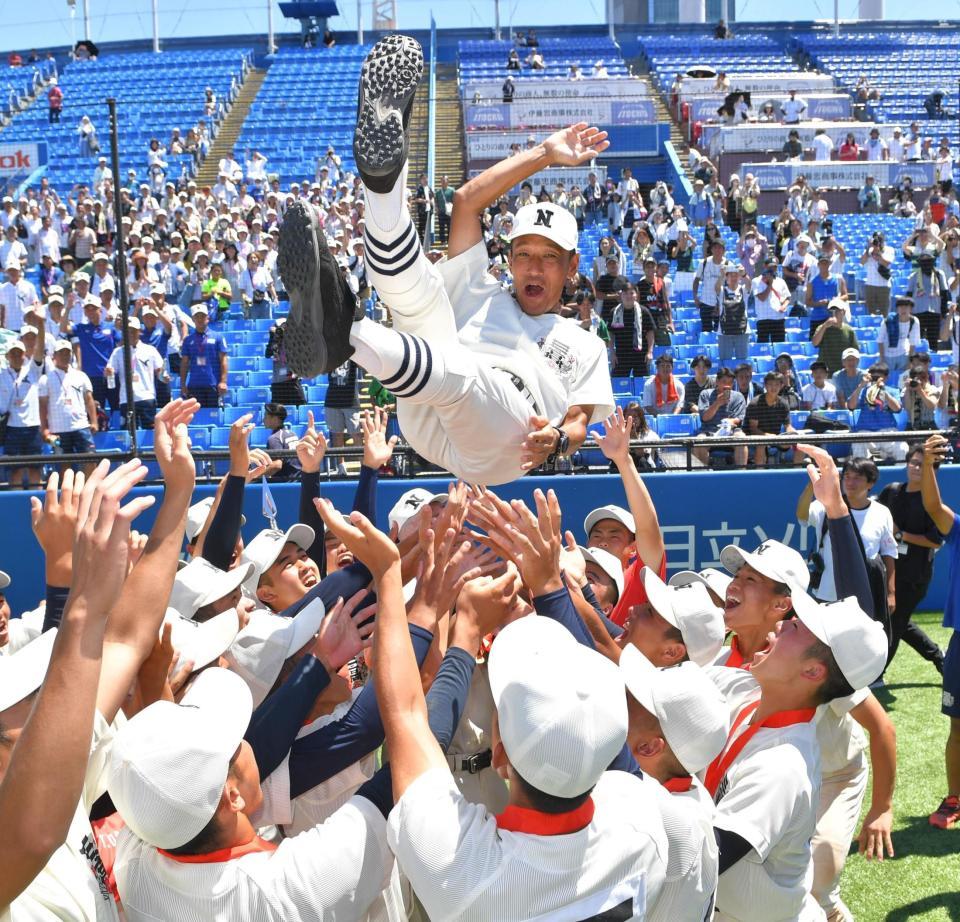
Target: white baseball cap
pixel 199 309
pixel 133 323
pixel 4 580
pixel 858 643
pixel 850 353
pixel 55 295
pixel 544 219
pixel 258 652
pixel 561 706
pixel 63 345
pixel 691 611
pixel 607 562
pixel 23 672
pixel 772 559
pixel 201 644
pixel 199 583
pixel 170 762
pixel 197 516
pixel 410 504
pixel 692 711
pixel 714 580
pixel 17 344
pixel 617 513
pixel 263 551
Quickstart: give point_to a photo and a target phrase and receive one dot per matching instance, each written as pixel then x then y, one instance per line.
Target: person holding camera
pixel 771 302
pixel 876 260
pixel 877 404
pixel 920 399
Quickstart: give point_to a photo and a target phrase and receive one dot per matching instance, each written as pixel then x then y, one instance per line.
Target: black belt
pixel 471 764
pixel 519 384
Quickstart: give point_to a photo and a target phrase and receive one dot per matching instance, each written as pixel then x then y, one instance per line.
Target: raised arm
pixel 934 451
pixel 571 146
pixel 615 444
pixel 311 450
pixel 136 617
pixel 43 781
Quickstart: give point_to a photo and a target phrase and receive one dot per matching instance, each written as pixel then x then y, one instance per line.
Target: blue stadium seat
pixel 678 424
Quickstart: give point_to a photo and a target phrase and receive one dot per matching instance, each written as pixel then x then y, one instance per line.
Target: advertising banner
pixel 840 174
pixel 556 112
pixel 769 136
pixel 778 83
pixel 557 87
pixel 19 159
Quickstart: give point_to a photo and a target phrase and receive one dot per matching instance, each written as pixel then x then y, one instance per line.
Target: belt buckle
pixel 472 763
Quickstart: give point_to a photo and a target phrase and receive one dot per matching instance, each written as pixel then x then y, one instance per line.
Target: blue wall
pixel 700 513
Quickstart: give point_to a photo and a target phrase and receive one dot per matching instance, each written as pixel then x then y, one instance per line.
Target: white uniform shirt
pixel 17 299
pixel 466 869
pixel 840 737
pixel 769 797
pixel 876 531
pixel 65 392
pixel 771 308
pixel 333 871
pixel 793 109
pixel 20 395
pixel 873 277
pixel 690 886
pixel 72 887
pixel 559 362
pixel 822 146
pixel 146 362
pixel 819 397
pixel 907 341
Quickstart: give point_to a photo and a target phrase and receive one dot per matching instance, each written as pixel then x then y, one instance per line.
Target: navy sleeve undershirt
pixel 365 499
pixel 849 567
pixel 56 601
pixel 224 530
pixel 309 491
pixel 446 701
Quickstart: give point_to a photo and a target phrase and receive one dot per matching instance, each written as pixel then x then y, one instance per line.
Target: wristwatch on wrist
pixel 563 443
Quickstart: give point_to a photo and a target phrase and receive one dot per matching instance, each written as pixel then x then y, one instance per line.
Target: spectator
pixel 633 336
pixel 798 266
pixel 899 336
pixel 919 540
pixel 820 394
pixel 701 204
pixel 928 288
pixel 849 150
pixel 771 302
pixel 67 408
pixel 876 148
pixel 610 284
pixel 734 336
pixel 768 414
pixel 54 103
pixel 425 206
pixel 87 133
pixel 600 71
pixel 743 373
pixel 444 199
pixel 203 362
pixel 17 296
pixel 920 399
pixel 342 407
pixel 868 198
pixel 147 367
pixel 706 287
pixel 20 398
pixel 216 292
pixel 822 144
pixel 508 90
pixel 513 60
pixel 877 259
pixel 793 108
pixel 790 391
pixel 848 377
pixel 281 438
pixel 822 289
pixel 700 365
pixel 651 294
pixel 663 394
pixel 285 387
pixel 792 147
pixel 877 404
pixel 722 411
pixel 834 337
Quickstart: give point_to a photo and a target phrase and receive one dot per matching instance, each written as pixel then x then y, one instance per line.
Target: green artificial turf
pixel 922 883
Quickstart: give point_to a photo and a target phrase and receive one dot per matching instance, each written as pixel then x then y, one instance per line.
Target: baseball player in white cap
pixel 14 632
pixel 604 575
pixel 679 723
pixel 489 384
pixel 677 624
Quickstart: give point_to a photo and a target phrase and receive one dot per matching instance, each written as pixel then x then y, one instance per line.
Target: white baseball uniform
pixel 466 866
pixel 73 884
pixel 769 797
pixel 475 367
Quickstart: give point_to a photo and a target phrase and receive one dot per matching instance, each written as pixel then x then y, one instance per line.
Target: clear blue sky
pixel 47 22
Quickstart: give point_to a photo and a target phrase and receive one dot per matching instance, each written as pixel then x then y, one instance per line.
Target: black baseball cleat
pixel 322 307
pixel 388 82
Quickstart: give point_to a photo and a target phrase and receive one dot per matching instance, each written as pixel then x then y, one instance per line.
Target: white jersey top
pixel 72 887
pixel 769 797
pixel 145 362
pixel 20 393
pixel 66 402
pixel 842 740
pixel 463 867
pixel 819 397
pixel 771 308
pixel 562 364
pixel 690 886
pixel 333 871
pixel 875 524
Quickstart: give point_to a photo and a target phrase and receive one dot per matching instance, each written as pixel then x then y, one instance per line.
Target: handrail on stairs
pixel 432 104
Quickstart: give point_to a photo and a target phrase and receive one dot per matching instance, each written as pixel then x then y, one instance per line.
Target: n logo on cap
pixel 763 547
pixel 544 218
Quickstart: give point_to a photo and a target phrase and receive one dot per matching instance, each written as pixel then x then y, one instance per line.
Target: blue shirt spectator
pixel 96 339
pixel 734 408
pixel 204 351
pixel 875 405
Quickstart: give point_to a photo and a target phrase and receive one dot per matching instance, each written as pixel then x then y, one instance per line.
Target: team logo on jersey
pixel 558 355
pixel 544 218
